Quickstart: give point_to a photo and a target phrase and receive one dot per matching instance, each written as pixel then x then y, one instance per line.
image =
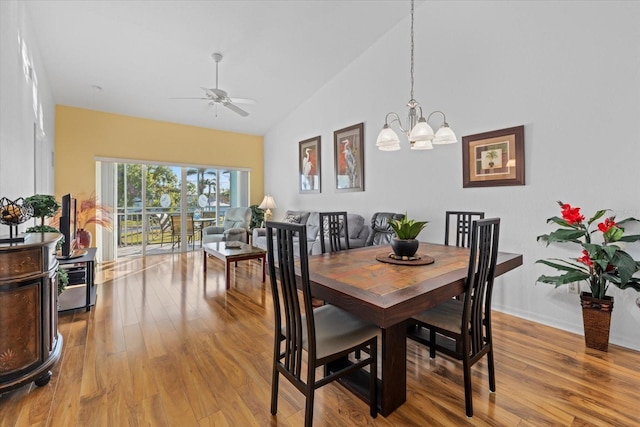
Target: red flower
pixel 585 259
pixel 571 215
pixel 606 225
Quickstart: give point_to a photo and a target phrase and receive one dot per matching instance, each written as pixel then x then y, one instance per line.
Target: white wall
pixel 25 167
pixel 568 71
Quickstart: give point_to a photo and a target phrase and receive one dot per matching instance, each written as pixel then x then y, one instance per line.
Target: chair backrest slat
pixel 288 308
pixel 463 222
pixel 485 234
pixel 331 225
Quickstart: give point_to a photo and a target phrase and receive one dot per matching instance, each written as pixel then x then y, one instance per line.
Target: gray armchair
pixel 381 232
pixel 235 227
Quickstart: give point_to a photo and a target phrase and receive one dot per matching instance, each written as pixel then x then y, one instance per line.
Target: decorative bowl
pixel 14 212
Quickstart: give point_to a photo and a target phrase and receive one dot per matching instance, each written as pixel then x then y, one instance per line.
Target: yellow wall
pixel 82 135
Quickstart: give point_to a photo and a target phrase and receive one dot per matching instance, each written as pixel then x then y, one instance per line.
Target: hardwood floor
pixel 166 347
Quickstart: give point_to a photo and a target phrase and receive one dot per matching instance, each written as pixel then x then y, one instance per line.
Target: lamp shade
pixel 421 131
pixel 268 202
pixel 388 140
pixel 445 135
pixel 422 145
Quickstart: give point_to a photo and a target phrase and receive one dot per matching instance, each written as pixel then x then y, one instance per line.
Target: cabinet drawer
pixel 21 263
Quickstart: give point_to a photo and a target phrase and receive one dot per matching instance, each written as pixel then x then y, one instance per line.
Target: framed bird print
pixel 348 152
pixel 309 165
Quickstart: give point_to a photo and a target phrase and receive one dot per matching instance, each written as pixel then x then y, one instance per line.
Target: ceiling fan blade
pixel 190 98
pixel 243 101
pixel 236 109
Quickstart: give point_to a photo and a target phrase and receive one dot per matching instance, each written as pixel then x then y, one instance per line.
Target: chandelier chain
pixel 411 50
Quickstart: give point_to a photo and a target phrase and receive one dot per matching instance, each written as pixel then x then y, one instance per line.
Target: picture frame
pixel 309 165
pixel 494 158
pixel 348 154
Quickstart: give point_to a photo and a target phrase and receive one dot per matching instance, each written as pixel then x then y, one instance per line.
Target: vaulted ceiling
pixel 144 53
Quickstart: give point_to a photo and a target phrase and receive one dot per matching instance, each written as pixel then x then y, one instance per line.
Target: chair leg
pixel 274 390
pixel 468 403
pixel 492 371
pixel 308 408
pixel 432 343
pixel 373 381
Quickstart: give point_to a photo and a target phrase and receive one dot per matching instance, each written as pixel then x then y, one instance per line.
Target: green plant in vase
pixel 44 206
pixel 406 230
pixel 257 217
pixel 603 261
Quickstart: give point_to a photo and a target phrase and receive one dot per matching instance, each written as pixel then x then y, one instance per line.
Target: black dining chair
pixel 327 333
pixel 462 221
pixel 462 328
pixel 331 226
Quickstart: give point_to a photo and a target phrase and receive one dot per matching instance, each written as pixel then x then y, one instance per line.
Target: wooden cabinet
pixel 29 340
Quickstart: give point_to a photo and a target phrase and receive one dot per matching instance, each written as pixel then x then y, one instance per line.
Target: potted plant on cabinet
pixel 45 206
pixel 603 262
pixel 406 230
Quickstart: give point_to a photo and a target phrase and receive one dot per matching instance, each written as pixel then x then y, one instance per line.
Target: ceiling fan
pixel 217 96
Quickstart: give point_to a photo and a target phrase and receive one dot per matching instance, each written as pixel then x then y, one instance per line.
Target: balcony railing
pixel 129 226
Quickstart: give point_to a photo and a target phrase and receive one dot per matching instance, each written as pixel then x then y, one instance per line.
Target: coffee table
pixel 228 255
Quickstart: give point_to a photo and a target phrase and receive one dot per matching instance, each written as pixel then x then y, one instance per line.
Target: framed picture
pixel 493 158
pixel 309 165
pixel 348 153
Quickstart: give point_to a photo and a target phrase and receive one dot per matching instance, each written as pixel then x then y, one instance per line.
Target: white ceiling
pixel 143 53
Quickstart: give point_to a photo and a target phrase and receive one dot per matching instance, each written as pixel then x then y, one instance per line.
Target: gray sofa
pixel 358 230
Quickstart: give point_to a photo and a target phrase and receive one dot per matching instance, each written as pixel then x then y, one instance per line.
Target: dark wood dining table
pixel 389 294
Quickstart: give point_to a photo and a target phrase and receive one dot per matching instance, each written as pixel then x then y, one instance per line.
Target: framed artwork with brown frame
pixel 348 153
pixel 492 159
pixel 309 165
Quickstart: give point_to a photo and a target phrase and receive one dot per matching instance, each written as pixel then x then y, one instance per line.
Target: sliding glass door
pixel 163 208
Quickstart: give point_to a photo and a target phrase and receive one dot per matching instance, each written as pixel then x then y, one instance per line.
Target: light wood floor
pixel 165 347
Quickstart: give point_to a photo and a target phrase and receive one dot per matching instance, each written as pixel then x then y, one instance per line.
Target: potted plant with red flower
pixel 602 262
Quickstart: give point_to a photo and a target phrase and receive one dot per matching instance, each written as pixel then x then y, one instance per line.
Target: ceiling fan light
pixel 445 135
pixel 421 131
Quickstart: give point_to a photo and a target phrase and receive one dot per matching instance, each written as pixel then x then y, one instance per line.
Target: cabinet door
pixel 21 331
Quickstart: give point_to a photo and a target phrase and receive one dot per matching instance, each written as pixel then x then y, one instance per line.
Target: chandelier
pixel 420 134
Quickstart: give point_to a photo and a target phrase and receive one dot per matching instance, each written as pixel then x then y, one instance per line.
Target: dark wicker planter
pixel 596 317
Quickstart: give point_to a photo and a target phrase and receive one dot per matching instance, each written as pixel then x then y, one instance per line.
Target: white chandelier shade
pixel 418 131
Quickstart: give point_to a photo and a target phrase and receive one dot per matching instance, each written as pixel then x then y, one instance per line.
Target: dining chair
pixel 327 333
pixel 462 226
pixel 162 223
pixel 331 226
pixel 176 230
pixel 462 328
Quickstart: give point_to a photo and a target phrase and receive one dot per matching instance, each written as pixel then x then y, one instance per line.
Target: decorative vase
pixel 406 248
pixel 84 238
pixel 596 317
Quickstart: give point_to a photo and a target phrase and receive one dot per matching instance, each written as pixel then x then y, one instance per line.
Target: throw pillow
pixel 292 219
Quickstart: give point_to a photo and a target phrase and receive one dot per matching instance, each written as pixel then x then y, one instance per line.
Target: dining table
pixel 389 294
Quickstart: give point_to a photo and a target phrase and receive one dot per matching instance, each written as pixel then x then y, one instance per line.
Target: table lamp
pixel 267 204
